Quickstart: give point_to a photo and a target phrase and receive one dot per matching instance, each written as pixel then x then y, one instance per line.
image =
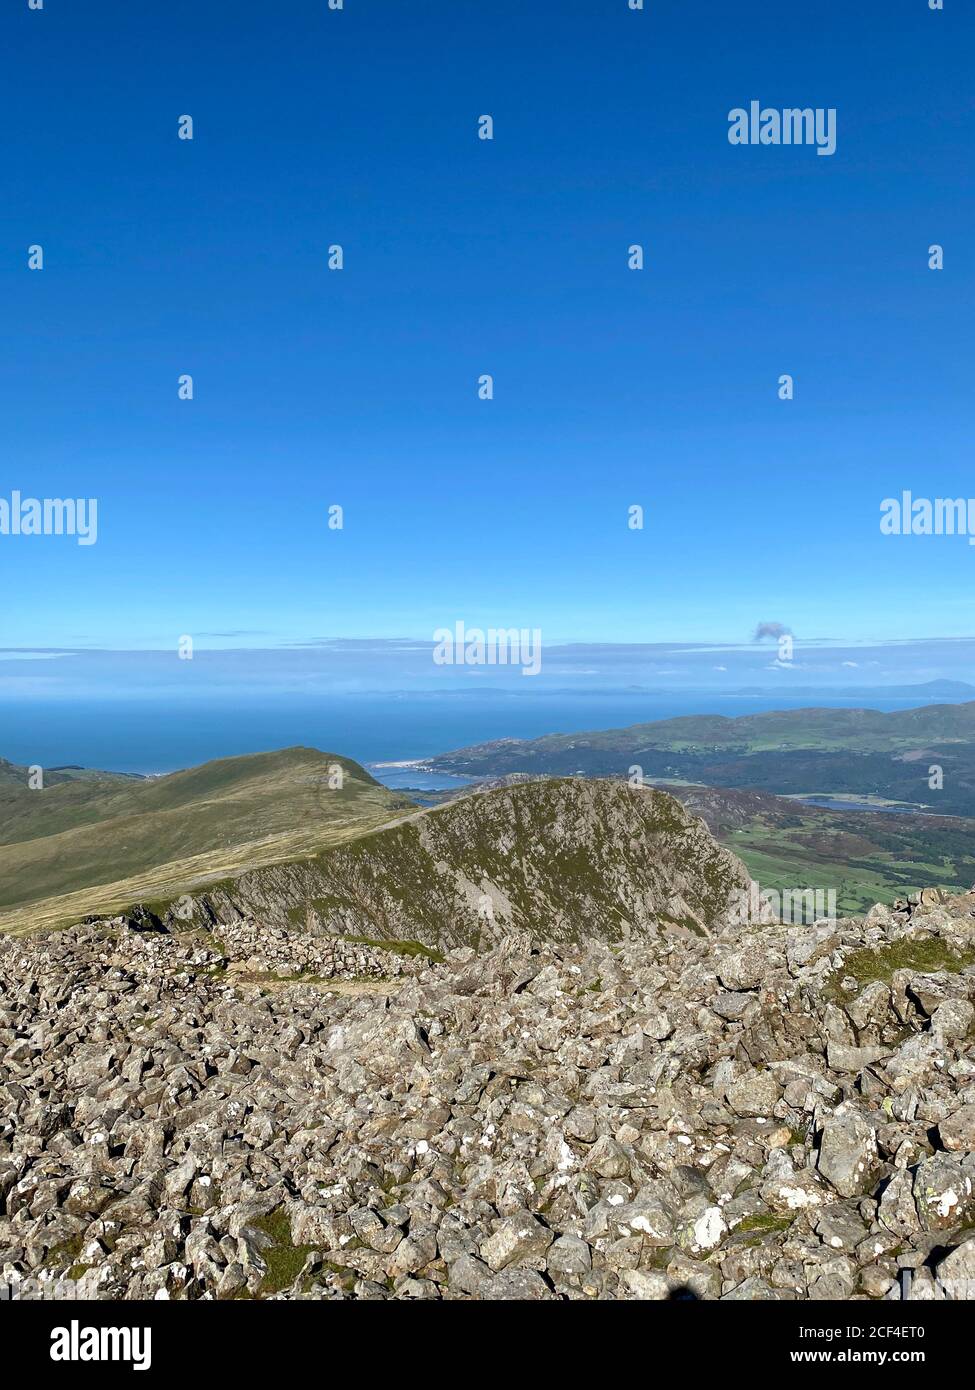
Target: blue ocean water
pixel 152 736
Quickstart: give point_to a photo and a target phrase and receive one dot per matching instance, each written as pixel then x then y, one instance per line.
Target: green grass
pixel 856 889
pixel 283 1258
pixel 865 857
pixel 926 956
pixel 86 846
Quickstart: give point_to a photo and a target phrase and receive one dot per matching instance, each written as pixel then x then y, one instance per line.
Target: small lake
pixel 409 779
pixel 829 803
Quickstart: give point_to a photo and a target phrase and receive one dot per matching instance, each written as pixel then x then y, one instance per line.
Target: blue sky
pixel 462 257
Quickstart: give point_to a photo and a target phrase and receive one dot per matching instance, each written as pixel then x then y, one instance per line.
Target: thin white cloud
pixel 33 656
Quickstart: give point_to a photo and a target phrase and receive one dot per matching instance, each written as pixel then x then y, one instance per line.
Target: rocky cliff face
pixel 564 859
pixel 775 1113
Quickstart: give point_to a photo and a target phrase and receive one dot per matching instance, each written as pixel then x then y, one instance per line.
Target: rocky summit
pixel 766 1112
pixel 562 858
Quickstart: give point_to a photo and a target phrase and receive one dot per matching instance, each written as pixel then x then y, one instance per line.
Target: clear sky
pixel 359 387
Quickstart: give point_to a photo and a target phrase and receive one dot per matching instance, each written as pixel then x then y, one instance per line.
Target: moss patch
pixel 283 1258
pixel 763 1223
pixel 925 956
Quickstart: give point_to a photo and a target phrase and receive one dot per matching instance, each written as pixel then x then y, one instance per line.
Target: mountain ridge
pixel 561 857
pixel 94 836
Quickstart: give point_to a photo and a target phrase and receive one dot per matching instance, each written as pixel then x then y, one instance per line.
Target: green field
pixel 866 856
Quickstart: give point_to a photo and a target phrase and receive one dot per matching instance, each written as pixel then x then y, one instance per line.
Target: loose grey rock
pixel 519 1238
pixel 754 1094
pixel 956 1272
pixel 249 1108
pixel 848 1153
pixel 569 1255
pixel 957 1132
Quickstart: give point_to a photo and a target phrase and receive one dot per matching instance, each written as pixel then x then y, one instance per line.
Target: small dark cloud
pixel 771 632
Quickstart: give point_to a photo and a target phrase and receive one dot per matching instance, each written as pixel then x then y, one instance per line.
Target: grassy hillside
pixel 14 775
pixel 565 857
pixel 860 752
pixel 93 843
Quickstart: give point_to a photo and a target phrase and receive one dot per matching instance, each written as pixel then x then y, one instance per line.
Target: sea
pixel 377 729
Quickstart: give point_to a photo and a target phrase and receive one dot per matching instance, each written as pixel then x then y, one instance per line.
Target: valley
pixel 298 825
